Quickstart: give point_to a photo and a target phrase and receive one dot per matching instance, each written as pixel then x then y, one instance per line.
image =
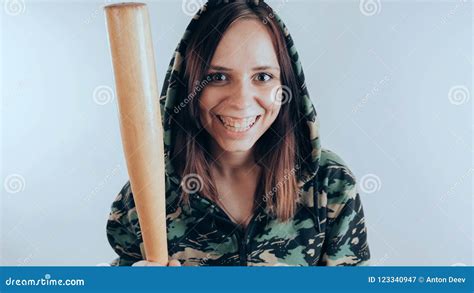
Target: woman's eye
pixel 218 77
pixel 263 77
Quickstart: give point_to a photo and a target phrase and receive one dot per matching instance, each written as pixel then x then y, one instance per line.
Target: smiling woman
pixel 247 181
pixel 241 106
pixel 236 109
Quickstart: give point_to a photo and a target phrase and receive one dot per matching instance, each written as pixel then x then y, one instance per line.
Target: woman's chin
pixel 236 146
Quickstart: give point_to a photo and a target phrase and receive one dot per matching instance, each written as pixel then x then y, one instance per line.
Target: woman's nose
pixel 242 94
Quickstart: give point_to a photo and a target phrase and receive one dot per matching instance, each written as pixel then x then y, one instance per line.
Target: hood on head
pixel 171 95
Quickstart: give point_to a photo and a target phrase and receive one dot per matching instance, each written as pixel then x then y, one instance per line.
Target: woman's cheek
pixel 206 103
pixel 269 103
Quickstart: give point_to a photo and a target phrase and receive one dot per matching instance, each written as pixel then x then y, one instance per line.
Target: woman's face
pixel 239 103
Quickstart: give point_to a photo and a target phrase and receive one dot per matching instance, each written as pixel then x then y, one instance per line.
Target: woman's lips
pixel 238 125
pixel 237 122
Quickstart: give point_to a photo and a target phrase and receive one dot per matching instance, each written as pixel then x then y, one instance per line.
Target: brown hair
pixel 281 150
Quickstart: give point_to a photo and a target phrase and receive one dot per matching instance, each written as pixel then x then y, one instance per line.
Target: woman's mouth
pixel 238 124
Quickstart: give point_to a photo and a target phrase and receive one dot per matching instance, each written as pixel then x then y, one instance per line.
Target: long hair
pixel 281 151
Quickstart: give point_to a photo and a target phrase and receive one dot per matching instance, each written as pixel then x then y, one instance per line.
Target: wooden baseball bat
pixel 140 120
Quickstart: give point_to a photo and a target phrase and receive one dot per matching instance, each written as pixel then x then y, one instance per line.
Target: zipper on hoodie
pixel 241 239
pixel 243 243
pixel 241 234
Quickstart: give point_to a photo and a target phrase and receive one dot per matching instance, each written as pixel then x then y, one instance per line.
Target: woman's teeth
pixel 238 125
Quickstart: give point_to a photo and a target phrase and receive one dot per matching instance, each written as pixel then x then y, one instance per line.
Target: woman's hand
pixel 145 263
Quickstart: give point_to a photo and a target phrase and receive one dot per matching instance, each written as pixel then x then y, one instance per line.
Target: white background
pixel 391 81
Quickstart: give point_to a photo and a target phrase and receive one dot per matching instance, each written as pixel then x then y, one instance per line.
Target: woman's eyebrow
pixel 263 67
pixel 220 68
pixel 266 67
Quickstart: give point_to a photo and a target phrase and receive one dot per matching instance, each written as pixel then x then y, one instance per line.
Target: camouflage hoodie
pixel 328 228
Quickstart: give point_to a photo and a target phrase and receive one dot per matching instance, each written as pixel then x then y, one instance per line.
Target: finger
pixel 155 264
pixel 145 263
pixel 174 263
pixel 142 263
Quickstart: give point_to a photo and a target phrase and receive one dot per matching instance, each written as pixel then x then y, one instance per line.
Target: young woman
pixel 247 181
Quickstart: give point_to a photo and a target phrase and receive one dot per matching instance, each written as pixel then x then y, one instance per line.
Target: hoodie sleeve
pixel 346 235
pixel 121 229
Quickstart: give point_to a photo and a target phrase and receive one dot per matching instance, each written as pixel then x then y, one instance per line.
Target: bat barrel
pixel 140 120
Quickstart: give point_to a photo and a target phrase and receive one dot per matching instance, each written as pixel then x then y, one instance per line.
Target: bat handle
pixel 140 120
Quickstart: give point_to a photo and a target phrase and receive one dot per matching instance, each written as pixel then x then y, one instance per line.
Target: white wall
pixel 380 83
